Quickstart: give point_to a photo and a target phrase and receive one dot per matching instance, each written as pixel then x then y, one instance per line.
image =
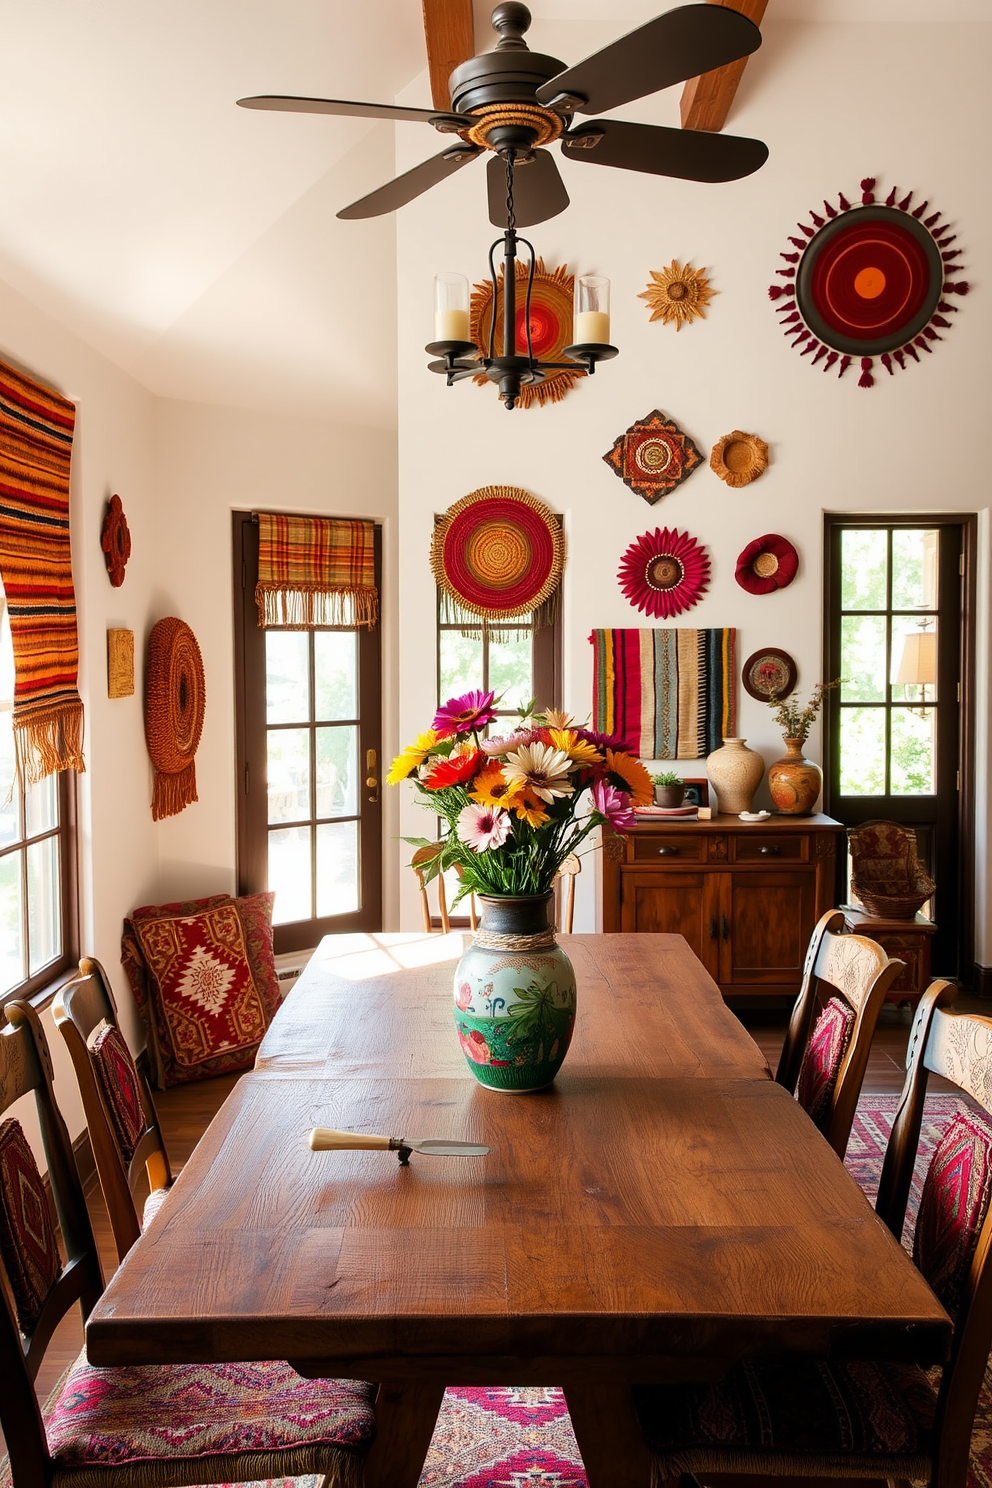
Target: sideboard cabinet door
pixel 766 920
pixel 676 903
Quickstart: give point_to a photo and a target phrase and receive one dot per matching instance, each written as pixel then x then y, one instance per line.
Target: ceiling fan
pixel 512 102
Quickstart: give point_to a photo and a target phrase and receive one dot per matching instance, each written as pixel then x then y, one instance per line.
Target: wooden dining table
pixel 662 1211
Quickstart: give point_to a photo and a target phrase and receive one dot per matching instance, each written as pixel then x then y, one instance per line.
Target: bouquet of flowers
pixel 512 804
pixel 794 721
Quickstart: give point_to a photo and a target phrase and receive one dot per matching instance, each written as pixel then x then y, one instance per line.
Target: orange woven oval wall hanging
pixel 175 693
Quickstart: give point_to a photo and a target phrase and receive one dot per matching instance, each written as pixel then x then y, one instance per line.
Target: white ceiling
pixel 194 243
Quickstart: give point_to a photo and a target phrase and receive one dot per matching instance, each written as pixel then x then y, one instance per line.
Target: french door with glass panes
pixel 309 812
pixel 894 745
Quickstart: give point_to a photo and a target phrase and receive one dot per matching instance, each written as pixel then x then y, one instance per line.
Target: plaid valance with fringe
pixel 315 571
pixel 36 428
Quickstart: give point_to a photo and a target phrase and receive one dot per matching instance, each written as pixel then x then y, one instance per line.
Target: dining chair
pixel 124 1131
pixel 571 867
pixel 834 1418
pixel 143 1426
pixel 825 1054
pixel 421 863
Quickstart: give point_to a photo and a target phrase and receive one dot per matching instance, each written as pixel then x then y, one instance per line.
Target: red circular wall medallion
pixel 869 281
pixel 767 564
pixel 115 540
pixel 498 552
pixel 664 572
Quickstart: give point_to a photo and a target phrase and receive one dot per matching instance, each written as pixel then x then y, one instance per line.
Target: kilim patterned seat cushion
pixel 803 1413
pixel 953 1206
pixel 118 1082
pixel 27 1237
pixel 821 1062
pixel 144 1412
pixel 214 1056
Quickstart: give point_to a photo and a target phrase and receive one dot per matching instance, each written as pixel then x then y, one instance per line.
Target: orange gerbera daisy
pixel 628 774
pixel 491 787
pixel 530 808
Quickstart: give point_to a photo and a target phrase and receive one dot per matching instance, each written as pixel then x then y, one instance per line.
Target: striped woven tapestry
pixel 315 571
pixel 669 694
pixel 36 427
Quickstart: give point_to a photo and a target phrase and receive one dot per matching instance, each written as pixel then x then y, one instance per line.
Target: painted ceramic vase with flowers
pixel 514 808
pixel 794 781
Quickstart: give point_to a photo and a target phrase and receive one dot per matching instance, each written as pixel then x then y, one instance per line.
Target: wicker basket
pixel 886 874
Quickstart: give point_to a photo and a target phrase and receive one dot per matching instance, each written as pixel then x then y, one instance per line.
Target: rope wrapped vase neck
pixel 495 940
pixel 175 696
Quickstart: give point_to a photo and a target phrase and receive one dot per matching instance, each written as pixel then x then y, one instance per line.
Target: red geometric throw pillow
pixel 208 1008
pixel 118 1082
pixel 27 1237
pixel 953 1206
pixel 821 1062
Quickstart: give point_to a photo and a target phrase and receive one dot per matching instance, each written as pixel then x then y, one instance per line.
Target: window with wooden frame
pixel 37 860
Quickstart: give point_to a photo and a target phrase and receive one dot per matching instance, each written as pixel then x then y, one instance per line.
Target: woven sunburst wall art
pixel 678 295
pixel 664 572
pixel 866 281
pixel 551 322
pixel 498 553
pixel 653 456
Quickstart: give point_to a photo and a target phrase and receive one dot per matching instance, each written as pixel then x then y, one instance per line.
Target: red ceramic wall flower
pixel 664 572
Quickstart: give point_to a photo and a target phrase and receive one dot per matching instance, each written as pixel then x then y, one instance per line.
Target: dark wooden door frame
pixel 252 819
pixel 967 522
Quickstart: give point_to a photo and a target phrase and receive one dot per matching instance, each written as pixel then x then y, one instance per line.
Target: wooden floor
pixel 186 1111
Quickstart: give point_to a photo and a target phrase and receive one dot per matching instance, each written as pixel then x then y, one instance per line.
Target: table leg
pixel 609 1437
pixel 405 1417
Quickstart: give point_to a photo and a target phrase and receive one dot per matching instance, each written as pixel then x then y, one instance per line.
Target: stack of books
pixel 678 813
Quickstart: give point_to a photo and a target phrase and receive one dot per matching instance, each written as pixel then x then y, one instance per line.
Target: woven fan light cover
pixel 175 695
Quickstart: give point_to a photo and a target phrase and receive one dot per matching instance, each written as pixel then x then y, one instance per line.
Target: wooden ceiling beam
pixel 706 100
pixel 450 33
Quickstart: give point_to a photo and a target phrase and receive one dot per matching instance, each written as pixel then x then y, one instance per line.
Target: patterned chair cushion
pixel 212 1023
pixel 145 1412
pixel 120 1088
pixel 821 1062
pixel 27 1237
pixel 789 1412
pixel 953 1206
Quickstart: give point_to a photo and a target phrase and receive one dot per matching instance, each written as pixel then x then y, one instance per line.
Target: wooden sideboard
pixel 745 896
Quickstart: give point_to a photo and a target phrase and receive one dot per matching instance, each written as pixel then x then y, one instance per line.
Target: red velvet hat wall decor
pixel 767 564
pixel 869 280
pixel 653 456
pixel 664 572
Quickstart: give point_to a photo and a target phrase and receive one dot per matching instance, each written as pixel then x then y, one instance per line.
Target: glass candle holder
pixel 451 317
pixel 592 311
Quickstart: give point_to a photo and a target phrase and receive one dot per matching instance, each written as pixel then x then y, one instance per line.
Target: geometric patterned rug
pixel 499 1437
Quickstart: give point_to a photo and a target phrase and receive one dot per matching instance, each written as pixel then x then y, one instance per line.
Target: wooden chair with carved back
pixel 830 1419
pixel 144 1426
pixel 422 863
pixel 825 1054
pixel 567 874
pixel 120 1112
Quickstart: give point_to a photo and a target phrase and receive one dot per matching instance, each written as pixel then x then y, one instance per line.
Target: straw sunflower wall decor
pixel 653 456
pixel 664 572
pixel 868 281
pixel 678 294
pixel 551 324
pixel 499 553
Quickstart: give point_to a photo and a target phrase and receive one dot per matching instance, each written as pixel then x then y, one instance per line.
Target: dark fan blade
pixel 677 45
pixel 412 183
pixel 689 154
pixel 538 191
pixel 342 106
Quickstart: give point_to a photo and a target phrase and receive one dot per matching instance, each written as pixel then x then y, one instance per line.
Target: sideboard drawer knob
pixel 668 852
pixel 769 851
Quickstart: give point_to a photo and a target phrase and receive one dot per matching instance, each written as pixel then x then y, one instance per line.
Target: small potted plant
pixel 669 788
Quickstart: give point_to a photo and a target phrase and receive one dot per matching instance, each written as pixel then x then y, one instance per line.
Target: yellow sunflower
pixel 413 755
pixel 492 788
pixel 678 294
pixel 627 773
pixel 579 750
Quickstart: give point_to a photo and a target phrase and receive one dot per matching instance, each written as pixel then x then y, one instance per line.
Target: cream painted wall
pixel 834 103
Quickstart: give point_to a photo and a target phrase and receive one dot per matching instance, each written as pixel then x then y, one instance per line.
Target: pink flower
pixel 502 744
pixel 613 806
pixel 463 997
pixel 460 715
pixel 483 827
pixel 475 1046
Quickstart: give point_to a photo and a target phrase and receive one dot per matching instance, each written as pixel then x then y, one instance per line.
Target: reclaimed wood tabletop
pixel 652 1216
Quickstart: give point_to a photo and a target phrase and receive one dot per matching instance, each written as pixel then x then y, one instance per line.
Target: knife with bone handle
pixel 326 1139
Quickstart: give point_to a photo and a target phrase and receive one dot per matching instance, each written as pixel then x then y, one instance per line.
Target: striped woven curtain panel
pixel 669 694
pixel 36 428
pixel 315 571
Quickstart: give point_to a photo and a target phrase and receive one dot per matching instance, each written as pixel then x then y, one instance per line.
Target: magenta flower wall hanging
pixel 664 572
pixel 868 281
pixel 653 456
